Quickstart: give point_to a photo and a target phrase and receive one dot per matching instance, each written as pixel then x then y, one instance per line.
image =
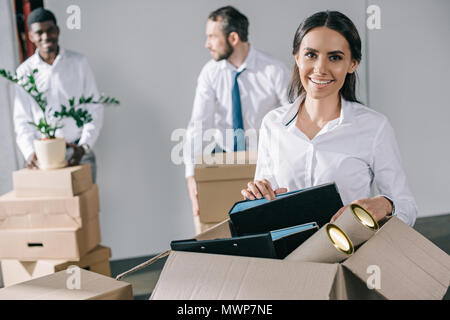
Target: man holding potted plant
pixel 60 75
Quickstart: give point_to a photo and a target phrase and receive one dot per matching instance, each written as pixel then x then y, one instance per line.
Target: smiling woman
pixel 325 135
pixel 331 31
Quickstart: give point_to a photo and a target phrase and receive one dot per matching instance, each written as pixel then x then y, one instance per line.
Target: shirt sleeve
pixel 264 164
pixel 92 129
pixel 389 174
pixel 202 118
pixel 22 115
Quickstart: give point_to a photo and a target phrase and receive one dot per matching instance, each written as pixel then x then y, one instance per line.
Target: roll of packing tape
pixel 329 245
pixel 358 224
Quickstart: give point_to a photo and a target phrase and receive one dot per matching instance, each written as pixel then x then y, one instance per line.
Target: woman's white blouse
pixel 354 150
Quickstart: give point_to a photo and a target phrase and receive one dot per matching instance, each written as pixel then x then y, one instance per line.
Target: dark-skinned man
pixel 62 74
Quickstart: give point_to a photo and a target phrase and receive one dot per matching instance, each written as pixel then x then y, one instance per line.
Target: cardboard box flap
pixel 225 172
pixel 219 231
pixel 98 255
pixel 81 207
pixel 93 286
pixel 231 158
pixel 81 179
pixel 209 276
pixel 409 265
pixel 16 271
pixel 39 222
pixel 62 182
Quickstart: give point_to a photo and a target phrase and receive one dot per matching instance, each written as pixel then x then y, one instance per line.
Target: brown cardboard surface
pixel 219 185
pixel 200 226
pixel 194 276
pixel 47 237
pixel 16 271
pixel 219 231
pixel 65 182
pixel 225 173
pixel 81 207
pixel 411 266
pixel 93 286
pixel 215 198
pixel 103 268
pixel 95 256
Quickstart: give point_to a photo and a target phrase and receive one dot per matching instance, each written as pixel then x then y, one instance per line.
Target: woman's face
pixel 323 60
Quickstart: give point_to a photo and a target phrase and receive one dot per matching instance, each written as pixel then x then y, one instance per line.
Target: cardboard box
pixel 16 271
pixel 65 182
pixel 36 229
pixel 398 261
pixel 219 185
pixel 81 207
pixel 202 227
pixel 64 286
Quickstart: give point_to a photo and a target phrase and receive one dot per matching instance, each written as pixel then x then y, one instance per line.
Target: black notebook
pixel 275 244
pixel 294 208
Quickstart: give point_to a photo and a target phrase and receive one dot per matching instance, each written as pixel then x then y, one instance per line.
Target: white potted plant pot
pixel 51 153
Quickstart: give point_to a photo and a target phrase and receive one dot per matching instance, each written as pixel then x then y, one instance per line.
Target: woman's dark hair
pixel 336 21
pixel 232 21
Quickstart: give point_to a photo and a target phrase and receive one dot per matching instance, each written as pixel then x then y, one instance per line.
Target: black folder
pixel 276 244
pixel 317 204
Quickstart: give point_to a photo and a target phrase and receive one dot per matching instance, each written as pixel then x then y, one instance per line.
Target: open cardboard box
pixel 398 262
pixel 219 182
pixel 64 182
pixel 49 228
pixel 63 285
pixel 16 271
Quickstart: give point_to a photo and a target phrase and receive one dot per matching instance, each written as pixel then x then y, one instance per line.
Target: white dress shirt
pixel 353 151
pixel 69 76
pixel 262 87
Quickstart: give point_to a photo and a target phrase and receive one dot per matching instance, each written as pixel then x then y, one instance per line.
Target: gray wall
pixel 8 60
pixel 149 54
pixel 408 67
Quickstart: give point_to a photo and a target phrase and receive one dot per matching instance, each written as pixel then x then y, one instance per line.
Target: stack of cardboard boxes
pixel 49 222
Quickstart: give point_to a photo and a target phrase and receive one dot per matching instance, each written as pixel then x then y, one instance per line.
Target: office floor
pixel 436 229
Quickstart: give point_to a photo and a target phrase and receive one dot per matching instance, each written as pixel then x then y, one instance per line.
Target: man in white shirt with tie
pixel 235 90
pixel 62 74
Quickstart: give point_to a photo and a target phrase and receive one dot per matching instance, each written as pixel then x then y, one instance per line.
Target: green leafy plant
pixel 72 109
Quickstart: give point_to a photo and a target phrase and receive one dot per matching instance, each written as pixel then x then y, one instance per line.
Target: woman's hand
pixel 261 188
pixel 379 207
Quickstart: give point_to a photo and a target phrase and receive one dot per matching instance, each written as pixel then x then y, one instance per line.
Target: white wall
pixel 408 82
pixel 8 60
pixel 149 53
